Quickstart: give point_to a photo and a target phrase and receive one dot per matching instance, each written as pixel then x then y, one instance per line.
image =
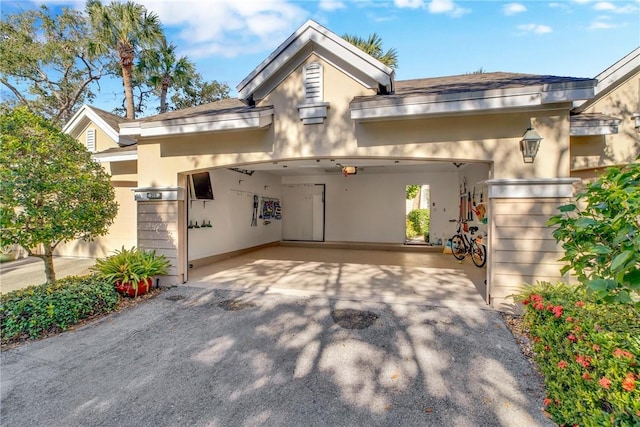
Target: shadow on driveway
pixel 211 357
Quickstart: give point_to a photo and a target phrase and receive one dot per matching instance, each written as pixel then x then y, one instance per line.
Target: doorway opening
pixel 417 214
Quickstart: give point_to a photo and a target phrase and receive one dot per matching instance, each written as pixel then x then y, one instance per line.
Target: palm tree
pixel 373 46
pixel 123 29
pixel 164 69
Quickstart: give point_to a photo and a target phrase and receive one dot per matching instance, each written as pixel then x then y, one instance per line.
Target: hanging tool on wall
pixel 254 219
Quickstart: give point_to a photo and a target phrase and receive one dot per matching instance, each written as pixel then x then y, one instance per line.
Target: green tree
pixel 198 92
pixel 51 191
pixel 45 63
pixel 600 234
pixel 123 29
pixel 373 46
pixel 164 69
pixel 411 191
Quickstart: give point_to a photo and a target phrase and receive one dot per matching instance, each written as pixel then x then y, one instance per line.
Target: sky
pixel 227 39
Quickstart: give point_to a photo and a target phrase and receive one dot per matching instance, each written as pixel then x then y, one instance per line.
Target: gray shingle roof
pixel 469 83
pixel 224 106
pixel 110 119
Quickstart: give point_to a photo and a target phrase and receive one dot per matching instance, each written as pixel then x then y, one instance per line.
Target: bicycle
pixel 462 245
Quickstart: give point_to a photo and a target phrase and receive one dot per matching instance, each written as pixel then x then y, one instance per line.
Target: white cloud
pixel 535 28
pixel 331 5
pixel 604 5
pixel 513 8
pixel 600 25
pixel 229 27
pixel 448 7
pixel 410 4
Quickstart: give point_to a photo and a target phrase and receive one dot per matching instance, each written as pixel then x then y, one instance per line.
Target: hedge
pixel 37 310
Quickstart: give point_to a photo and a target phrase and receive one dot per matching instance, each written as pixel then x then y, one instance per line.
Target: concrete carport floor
pixel 250 356
pixel 390 276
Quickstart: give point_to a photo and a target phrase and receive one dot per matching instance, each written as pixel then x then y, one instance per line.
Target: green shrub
pixel 419 220
pixel 601 235
pixel 589 354
pixel 31 312
pixel 131 266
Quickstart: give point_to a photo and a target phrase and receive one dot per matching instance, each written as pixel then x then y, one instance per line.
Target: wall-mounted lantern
pixel 529 145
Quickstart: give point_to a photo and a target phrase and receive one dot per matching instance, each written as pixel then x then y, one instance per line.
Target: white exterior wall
pixel 230 214
pixel 371 208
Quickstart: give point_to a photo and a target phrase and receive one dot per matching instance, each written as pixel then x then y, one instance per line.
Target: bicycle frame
pixel 463 245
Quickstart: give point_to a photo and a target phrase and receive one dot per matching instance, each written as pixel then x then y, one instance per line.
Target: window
pixel 91 140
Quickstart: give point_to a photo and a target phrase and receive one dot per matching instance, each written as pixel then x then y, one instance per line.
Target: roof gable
pixel 613 77
pixel 310 38
pixel 107 122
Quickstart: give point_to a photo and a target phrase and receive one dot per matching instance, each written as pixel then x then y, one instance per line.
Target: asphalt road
pixel 206 357
pixel 25 272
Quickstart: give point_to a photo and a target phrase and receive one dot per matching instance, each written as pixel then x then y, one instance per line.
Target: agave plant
pixel 131 266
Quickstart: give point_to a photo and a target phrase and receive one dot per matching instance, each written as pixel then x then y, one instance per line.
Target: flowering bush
pixel 601 235
pixel 589 354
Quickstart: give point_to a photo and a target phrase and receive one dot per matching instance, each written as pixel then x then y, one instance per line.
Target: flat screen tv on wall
pixel 201 186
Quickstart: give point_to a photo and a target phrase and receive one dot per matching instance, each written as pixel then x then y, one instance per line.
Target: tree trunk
pixel 163 99
pixel 128 91
pixel 47 257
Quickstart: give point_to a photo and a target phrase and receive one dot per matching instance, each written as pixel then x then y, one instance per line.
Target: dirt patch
pixel 235 305
pixel 353 319
pixel 520 334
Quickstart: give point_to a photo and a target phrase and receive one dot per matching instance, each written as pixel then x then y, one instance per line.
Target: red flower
pixel 526 301
pixel 586 376
pixel 562 364
pixel 546 401
pixel 557 311
pixel 619 353
pixel 536 298
pixel 580 304
pixel 572 338
pixel 596 347
pixel 550 307
pixel 547 348
pixel 629 382
pixel 538 305
pixel 605 382
pixel 585 361
pixel 537 339
pixel 569 319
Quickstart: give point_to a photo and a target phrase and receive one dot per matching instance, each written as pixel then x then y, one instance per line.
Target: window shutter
pixel 91 140
pixel 313 83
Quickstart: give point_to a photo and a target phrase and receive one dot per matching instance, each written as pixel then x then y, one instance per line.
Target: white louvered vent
pixel 91 140
pixel 313 83
pixel 313 110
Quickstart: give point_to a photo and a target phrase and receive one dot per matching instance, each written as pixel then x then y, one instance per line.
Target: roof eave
pixel 593 127
pixel 205 123
pixel 470 102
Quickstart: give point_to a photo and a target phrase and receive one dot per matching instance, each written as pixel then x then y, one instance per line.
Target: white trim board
pixel 531 188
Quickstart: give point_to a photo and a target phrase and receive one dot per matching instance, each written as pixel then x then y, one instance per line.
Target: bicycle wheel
pixel 478 254
pixel 457 247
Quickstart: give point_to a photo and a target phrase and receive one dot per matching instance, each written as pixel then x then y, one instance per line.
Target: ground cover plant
pixel 589 354
pixel 37 311
pixel 586 337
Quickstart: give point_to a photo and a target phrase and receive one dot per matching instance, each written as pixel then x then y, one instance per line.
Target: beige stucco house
pixel 272 165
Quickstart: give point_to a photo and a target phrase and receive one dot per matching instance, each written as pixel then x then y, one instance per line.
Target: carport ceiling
pixel 365 166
